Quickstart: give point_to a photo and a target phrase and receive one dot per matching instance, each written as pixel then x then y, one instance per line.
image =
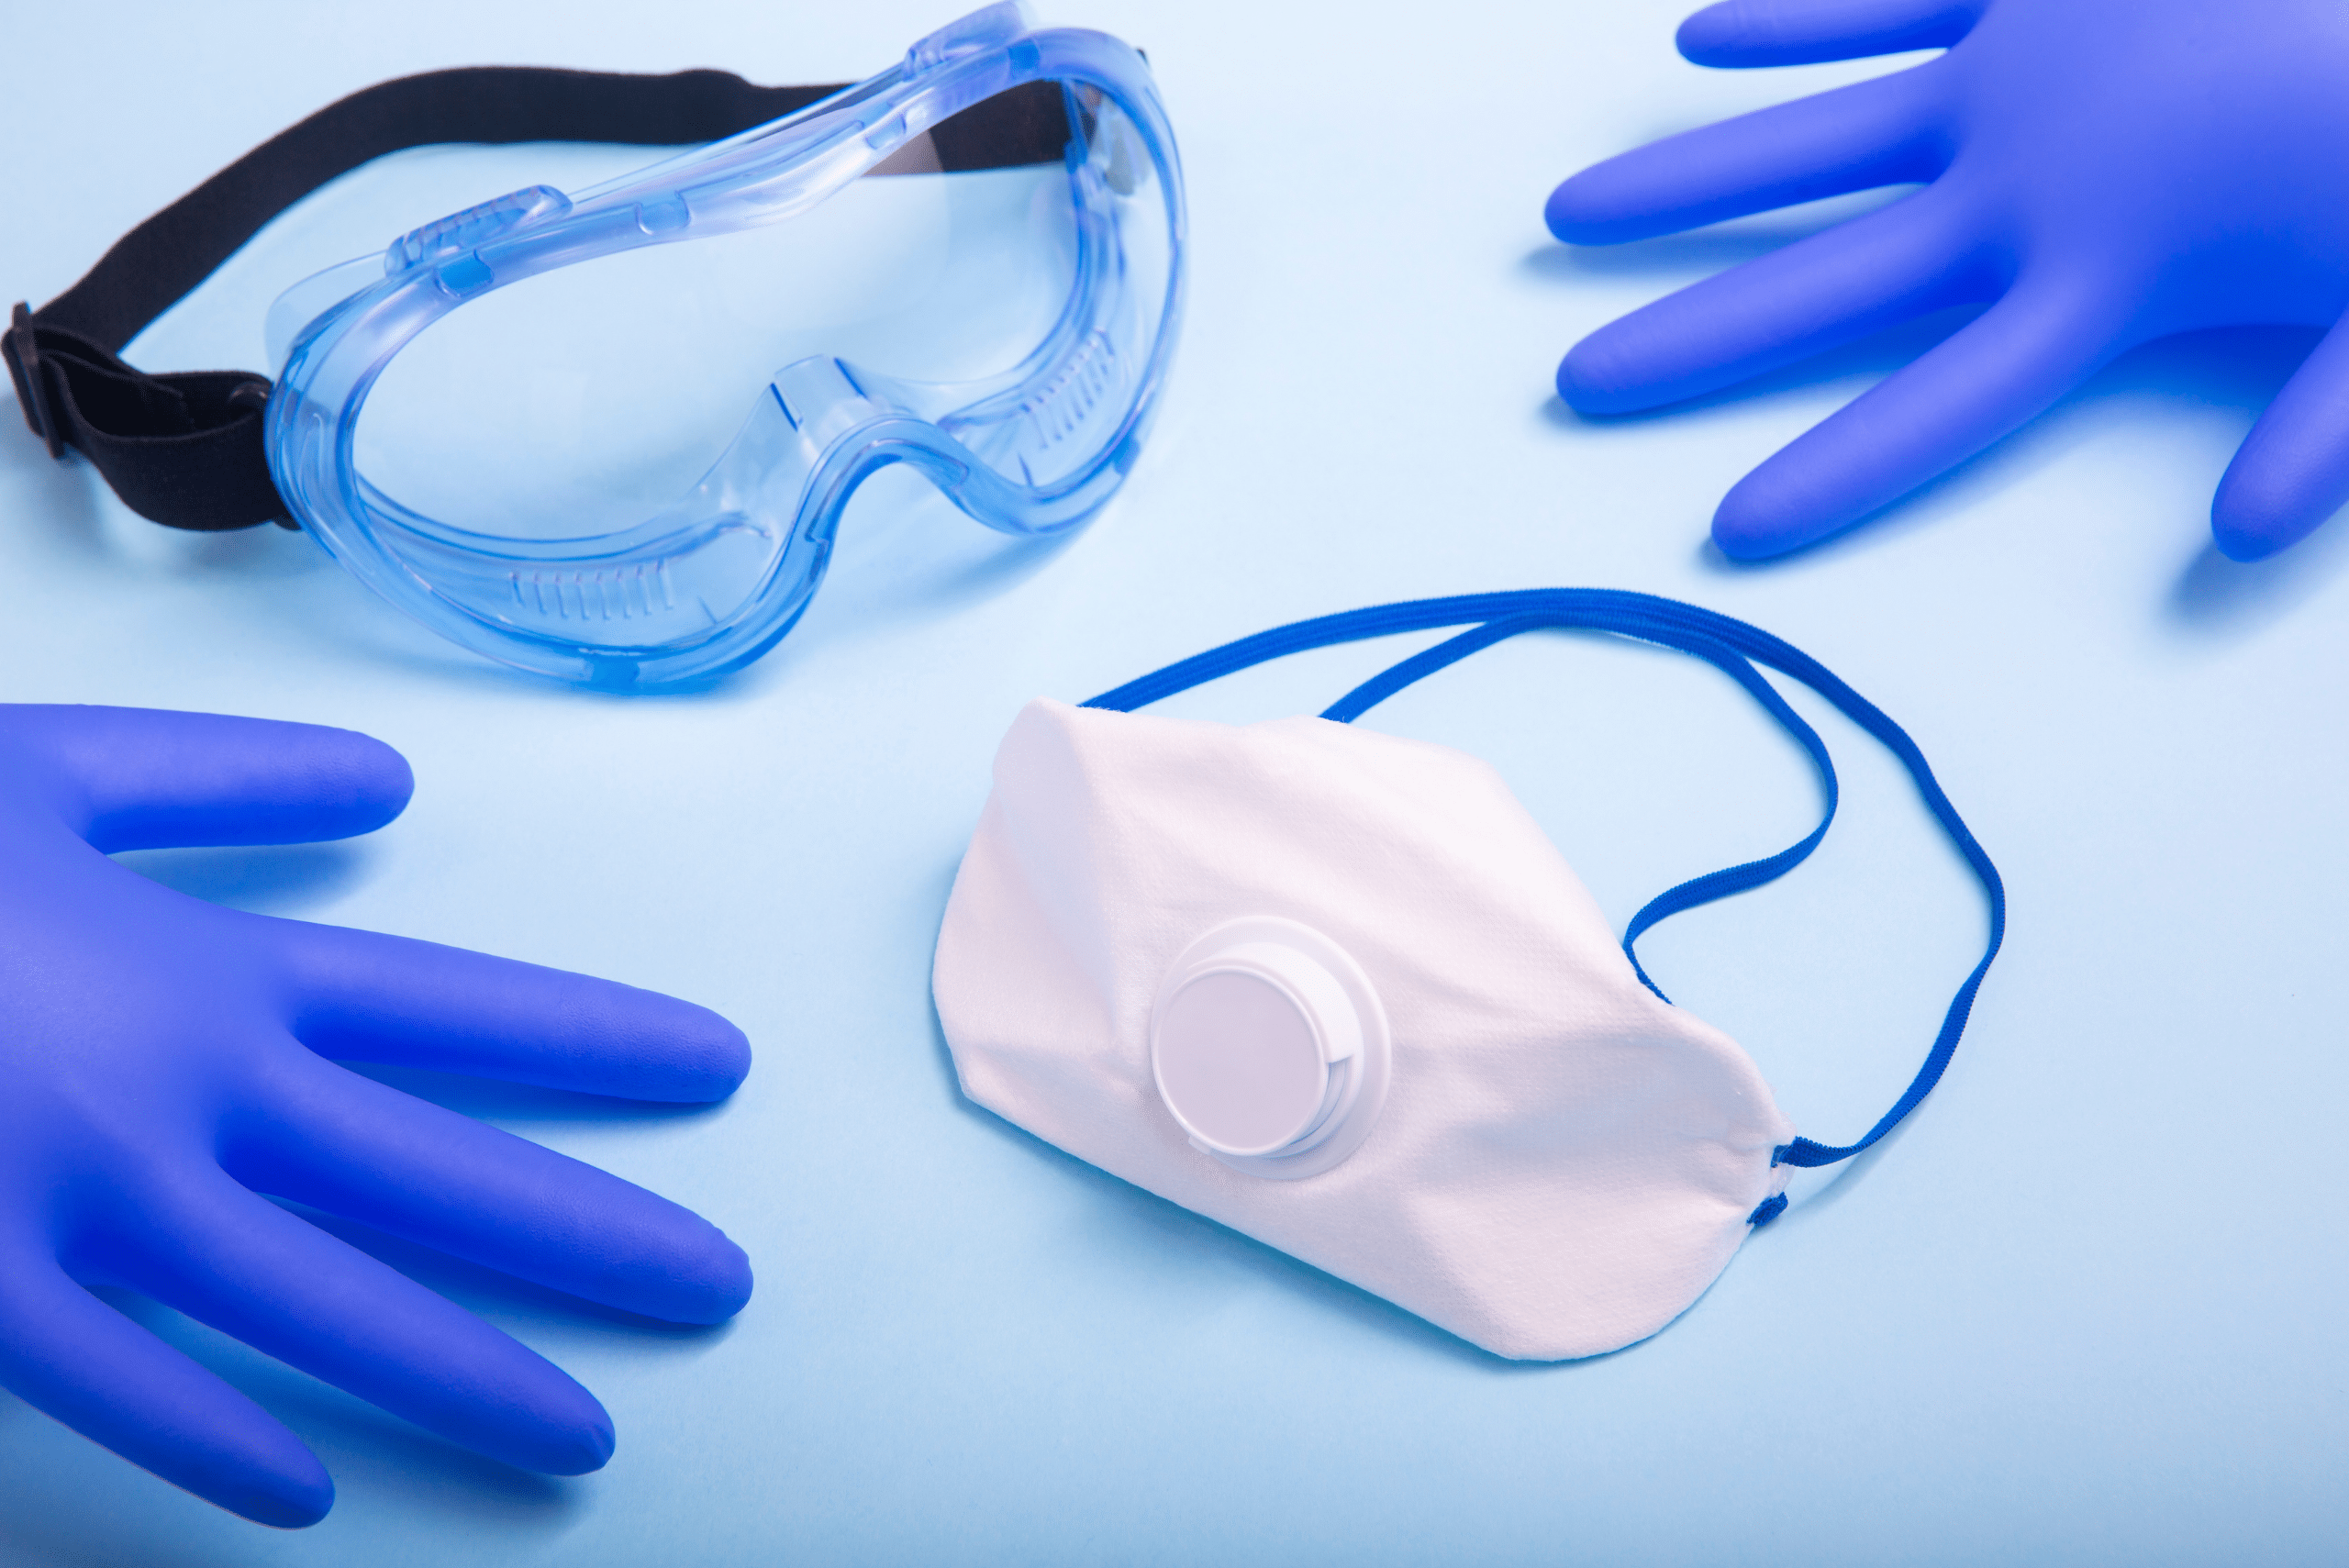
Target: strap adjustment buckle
pixel 21 348
pixel 186 448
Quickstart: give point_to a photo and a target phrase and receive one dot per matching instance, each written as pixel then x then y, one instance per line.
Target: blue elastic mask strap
pixel 1719 639
pixel 1698 890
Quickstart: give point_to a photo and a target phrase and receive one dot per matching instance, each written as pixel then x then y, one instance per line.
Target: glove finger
pixel 135 778
pixel 1990 376
pixel 2292 471
pixel 226 1257
pixel 368 997
pixel 64 1351
pixel 1893 264
pixel 1885 132
pixel 1741 33
pixel 355 1148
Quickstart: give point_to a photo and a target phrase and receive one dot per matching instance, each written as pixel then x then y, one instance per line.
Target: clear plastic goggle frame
pixel 692 586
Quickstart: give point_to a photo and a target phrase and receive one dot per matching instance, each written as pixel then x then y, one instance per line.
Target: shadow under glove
pixel 2100 172
pixel 163 1062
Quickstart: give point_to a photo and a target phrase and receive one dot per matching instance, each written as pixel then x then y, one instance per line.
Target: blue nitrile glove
pixel 163 1063
pixel 2106 172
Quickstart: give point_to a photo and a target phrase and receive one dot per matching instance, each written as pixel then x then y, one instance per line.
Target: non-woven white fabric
pixel 1565 1162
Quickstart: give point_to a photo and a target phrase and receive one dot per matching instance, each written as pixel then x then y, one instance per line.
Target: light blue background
pixel 2086 1307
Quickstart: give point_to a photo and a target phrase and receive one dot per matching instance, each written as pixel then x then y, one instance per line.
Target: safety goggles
pixel 608 435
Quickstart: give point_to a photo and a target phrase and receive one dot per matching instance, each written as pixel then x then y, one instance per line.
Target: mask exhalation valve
pixel 1269 1049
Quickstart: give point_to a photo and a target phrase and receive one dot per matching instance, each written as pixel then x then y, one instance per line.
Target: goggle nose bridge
pixel 822 399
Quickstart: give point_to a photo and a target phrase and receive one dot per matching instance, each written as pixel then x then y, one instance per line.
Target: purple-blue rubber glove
pixel 165 1063
pixel 2100 172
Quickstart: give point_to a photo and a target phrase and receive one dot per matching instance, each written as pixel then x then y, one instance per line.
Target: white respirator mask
pixel 1336 990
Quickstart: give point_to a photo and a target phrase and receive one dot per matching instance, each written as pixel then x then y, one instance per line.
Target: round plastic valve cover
pixel 1269 1049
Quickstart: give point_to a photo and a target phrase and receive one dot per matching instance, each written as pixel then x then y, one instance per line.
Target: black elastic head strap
pixel 185 450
